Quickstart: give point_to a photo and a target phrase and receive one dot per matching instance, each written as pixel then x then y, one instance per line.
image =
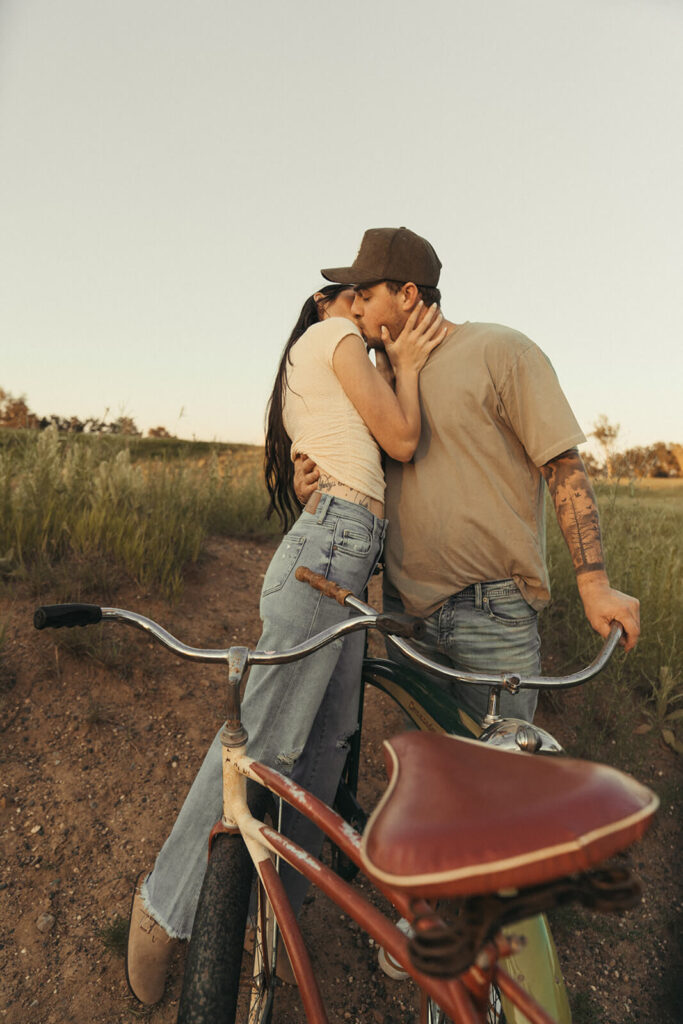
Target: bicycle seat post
pixel 234 734
pixel 492 715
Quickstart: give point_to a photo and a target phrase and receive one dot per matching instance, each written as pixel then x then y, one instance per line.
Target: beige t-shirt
pixel 470 506
pixel 319 417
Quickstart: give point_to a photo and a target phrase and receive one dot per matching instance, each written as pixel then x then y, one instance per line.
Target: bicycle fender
pixel 430 709
pixel 536 969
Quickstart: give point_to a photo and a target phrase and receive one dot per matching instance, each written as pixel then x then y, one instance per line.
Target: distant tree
pixel 93 426
pixel 124 425
pixel 666 463
pixel 654 460
pixel 606 433
pixel 15 413
pixel 634 463
pixel 64 424
pixel 591 463
pixel 159 432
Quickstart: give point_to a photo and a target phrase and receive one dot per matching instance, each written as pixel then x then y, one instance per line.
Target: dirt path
pixel 101 737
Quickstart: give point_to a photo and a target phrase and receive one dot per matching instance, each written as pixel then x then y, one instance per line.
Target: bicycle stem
pixel 492 715
pixel 234 734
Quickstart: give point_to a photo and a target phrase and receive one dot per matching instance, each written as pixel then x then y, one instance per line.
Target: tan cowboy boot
pixel 149 952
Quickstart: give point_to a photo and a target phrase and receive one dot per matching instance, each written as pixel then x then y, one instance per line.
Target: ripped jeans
pixel 298 716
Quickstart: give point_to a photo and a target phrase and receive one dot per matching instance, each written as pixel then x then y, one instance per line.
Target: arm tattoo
pixel 576 510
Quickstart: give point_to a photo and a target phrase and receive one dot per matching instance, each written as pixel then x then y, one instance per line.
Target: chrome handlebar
pixel 369 618
pixel 510 681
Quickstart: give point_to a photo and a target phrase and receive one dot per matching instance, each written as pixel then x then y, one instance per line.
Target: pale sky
pixel 173 175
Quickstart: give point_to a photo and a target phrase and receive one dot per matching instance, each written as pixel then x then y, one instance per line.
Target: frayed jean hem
pixel 144 896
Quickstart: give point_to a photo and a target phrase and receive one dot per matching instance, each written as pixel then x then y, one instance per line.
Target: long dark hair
pixel 278 463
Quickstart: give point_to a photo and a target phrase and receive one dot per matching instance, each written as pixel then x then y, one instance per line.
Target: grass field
pixel 77 511
pixel 643 537
pixel 81 515
pixel 141 506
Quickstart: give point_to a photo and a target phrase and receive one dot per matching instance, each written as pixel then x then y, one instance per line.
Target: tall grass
pixel 643 539
pixel 89 500
pixel 87 507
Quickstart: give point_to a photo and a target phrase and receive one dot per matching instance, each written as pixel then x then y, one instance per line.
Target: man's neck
pixel 444 323
pixel 449 325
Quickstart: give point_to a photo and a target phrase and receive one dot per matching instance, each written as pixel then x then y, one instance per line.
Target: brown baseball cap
pixel 390 254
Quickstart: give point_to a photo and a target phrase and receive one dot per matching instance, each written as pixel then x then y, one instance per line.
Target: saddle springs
pixel 448 940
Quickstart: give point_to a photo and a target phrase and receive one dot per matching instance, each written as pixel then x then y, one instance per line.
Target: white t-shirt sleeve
pixel 328 334
pixel 536 408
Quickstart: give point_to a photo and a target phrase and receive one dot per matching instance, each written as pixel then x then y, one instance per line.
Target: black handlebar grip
pixel 406 626
pixel 54 616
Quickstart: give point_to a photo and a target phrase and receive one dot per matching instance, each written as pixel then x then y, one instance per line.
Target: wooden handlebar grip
pixel 327 587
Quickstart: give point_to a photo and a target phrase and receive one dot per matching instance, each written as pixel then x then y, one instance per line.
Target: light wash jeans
pixel 485 627
pixel 311 704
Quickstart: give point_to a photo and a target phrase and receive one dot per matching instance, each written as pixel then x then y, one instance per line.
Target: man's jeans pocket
pixel 509 609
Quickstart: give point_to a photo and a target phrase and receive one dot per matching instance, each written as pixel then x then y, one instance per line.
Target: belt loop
pixel 478 595
pixel 323 506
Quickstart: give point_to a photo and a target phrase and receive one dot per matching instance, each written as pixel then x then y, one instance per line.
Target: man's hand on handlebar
pixel 306 475
pixel 603 604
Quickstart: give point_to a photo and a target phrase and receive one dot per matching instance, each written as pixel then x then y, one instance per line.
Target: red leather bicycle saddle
pixel 459 817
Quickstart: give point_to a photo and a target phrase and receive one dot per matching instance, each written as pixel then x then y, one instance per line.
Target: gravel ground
pixel 101 737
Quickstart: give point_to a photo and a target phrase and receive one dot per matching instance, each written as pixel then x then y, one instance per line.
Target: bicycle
pixel 457 895
pixel 435 710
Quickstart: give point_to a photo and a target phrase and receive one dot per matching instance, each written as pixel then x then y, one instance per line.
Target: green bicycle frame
pixel 536 968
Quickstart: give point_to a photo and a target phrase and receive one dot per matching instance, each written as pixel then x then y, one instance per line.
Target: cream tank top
pixel 321 420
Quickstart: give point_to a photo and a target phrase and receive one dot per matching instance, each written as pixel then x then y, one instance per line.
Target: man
pixel 465 542
pixel 465 517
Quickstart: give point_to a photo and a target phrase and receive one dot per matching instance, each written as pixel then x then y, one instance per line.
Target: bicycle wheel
pixel 494 1015
pixel 346 804
pixel 212 971
pixel 256 1001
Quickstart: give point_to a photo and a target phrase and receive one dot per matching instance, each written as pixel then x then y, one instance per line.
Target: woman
pixel 330 401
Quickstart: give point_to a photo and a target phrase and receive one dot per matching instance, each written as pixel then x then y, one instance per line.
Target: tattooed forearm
pixel 576 510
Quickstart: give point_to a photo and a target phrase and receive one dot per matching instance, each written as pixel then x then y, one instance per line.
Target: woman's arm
pixel 393 418
pixel 384 367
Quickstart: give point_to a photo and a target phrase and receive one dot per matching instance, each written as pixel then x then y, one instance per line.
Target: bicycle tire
pixel 494 1014
pixel 346 804
pixel 212 972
